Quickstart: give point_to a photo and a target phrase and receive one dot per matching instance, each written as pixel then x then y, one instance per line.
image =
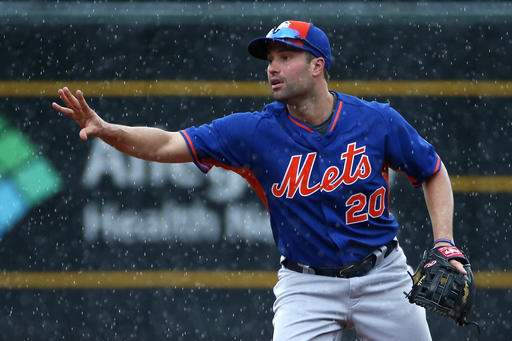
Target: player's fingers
pixel 86 132
pixel 458 266
pixel 64 110
pixel 81 99
pixel 63 97
pixel 67 101
pixel 83 134
pixel 72 99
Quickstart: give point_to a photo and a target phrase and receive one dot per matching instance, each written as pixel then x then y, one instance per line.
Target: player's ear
pixel 318 66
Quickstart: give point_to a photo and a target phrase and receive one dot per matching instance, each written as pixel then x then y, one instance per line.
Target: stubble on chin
pixel 280 95
pixel 276 95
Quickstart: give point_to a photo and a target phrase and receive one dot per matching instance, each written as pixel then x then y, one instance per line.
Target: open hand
pixel 77 108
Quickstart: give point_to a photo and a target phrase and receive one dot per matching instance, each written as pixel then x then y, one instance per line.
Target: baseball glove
pixel 438 286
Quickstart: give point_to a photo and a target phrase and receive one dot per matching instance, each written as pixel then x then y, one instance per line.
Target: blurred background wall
pixel 98 246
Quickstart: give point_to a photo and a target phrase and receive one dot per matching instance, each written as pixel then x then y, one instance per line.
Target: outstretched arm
pixel 439 199
pixel 146 143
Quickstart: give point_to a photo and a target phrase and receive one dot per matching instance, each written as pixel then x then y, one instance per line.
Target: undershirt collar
pixel 322 127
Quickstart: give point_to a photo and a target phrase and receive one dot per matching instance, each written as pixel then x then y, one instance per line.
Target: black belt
pixel 348 271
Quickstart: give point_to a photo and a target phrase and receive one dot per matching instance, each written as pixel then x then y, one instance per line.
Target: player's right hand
pixel 77 108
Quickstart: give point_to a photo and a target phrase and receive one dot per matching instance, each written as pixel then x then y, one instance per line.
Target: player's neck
pixel 313 109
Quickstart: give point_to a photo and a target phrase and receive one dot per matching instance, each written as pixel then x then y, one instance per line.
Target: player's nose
pixel 272 68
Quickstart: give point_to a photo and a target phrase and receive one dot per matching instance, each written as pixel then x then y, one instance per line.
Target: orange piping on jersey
pixel 204 167
pixel 336 117
pixel 192 148
pixel 247 175
pixel 414 182
pixel 305 127
pixel 243 172
pixel 438 165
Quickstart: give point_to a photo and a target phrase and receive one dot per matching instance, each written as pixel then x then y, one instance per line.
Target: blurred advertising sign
pixel 133 201
pixel 27 178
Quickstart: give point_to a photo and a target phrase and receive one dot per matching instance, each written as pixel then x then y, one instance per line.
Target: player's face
pixel 288 72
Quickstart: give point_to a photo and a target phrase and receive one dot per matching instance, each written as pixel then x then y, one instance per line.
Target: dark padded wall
pixel 472 135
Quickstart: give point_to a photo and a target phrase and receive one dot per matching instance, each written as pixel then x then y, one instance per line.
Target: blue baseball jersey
pixel 327 194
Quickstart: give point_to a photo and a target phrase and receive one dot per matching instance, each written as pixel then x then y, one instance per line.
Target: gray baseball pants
pixel 313 307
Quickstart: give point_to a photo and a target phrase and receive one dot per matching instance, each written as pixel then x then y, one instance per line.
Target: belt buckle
pixel 342 273
pixel 306 269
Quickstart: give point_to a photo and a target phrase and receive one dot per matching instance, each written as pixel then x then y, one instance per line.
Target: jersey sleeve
pixel 225 141
pixel 407 151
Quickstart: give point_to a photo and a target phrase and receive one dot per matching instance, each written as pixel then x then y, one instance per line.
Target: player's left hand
pixel 440 285
pixel 458 265
pixel 455 263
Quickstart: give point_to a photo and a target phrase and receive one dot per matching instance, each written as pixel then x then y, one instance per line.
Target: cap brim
pixel 259 47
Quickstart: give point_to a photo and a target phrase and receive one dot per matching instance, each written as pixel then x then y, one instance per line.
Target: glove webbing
pixel 440 291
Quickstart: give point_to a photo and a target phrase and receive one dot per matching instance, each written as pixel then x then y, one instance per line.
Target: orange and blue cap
pixel 297 34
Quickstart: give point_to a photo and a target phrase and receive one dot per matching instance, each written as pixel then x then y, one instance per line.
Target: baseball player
pixel 318 160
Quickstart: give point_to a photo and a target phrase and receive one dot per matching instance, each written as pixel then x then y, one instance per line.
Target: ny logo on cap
pixel 285 24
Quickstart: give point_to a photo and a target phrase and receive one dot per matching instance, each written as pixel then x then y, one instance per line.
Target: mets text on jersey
pixel 296 178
